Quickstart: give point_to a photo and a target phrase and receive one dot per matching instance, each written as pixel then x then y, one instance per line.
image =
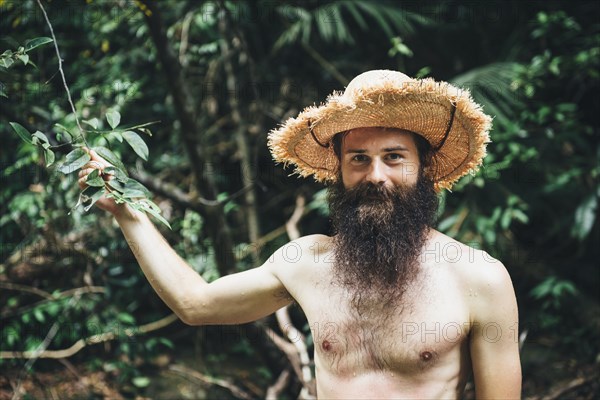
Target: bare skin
pixel 459 319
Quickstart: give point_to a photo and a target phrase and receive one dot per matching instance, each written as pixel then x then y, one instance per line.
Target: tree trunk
pixel 247 169
pixel 190 130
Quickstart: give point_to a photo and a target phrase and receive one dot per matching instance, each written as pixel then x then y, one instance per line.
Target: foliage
pixel 533 205
pixel 121 187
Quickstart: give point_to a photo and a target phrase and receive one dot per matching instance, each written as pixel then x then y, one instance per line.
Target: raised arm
pixel 232 299
pixel 494 336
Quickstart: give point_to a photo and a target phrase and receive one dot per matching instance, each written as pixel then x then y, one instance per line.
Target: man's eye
pixel 394 157
pixel 359 158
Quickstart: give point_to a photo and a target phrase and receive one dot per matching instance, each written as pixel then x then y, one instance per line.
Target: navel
pixel 326 345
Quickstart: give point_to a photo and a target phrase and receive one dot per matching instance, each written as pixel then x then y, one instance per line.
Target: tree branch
pixel 283 317
pixel 180 197
pixel 94 339
pixel 62 73
pixel 209 380
pixel 26 289
pixel 62 295
pixel 279 386
pixel 325 64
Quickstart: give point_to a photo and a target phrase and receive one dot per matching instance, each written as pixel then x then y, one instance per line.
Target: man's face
pixel 381 210
pixel 381 156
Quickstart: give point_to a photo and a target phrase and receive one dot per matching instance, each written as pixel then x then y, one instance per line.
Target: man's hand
pixel 99 163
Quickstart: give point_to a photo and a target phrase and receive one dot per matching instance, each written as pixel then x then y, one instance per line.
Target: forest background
pixel 77 317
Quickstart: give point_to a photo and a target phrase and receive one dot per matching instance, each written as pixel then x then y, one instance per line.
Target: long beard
pixel 379 235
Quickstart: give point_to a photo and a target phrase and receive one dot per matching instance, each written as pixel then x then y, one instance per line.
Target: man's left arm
pixel 494 338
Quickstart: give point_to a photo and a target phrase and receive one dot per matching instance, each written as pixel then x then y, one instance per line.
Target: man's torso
pixel 417 348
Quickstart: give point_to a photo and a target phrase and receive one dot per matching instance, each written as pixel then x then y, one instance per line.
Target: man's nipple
pixel 326 345
pixel 426 356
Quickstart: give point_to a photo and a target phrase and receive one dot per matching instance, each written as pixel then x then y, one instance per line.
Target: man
pixel 396 308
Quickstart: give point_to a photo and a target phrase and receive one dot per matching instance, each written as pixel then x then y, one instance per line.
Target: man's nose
pixel 376 172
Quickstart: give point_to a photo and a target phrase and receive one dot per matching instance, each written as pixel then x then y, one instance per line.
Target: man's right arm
pixel 232 299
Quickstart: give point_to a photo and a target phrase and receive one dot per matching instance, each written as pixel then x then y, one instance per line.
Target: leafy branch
pixel 114 181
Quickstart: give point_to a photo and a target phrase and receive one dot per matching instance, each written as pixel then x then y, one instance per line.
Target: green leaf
pixel 150 207
pixel 49 154
pixel 506 219
pixel 140 381
pixel 114 118
pixel 447 223
pixel 6 62
pixel 585 216
pixel 116 135
pixel 94 198
pixel 137 144
pixel 520 216
pixel 146 131
pixel 117 173
pixel 94 179
pixel 126 318
pixel 135 189
pixel 22 132
pixel 110 157
pixel 24 58
pixel 75 160
pixel 94 123
pixel 166 342
pixel 39 138
pixel 65 131
pixel 33 43
pixel 39 315
pixel 116 185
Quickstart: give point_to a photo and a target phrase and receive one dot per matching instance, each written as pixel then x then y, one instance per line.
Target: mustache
pixel 369 191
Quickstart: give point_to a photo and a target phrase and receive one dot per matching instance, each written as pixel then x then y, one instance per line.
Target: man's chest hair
pixel 412 336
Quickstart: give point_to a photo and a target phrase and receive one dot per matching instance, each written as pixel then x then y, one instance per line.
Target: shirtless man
pixel 396 308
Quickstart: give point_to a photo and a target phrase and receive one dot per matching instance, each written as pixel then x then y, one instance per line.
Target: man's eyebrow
pixel 360 151
pixel 387 149
pixel 397 148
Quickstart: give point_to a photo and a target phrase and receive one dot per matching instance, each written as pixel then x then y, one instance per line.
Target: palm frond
pixel 490 86
pixel 331 21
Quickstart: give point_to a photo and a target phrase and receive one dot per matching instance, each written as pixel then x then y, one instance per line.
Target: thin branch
pixel 291 226
pixel 562 392
pixel 62 73
pixel 287 348
pixel 180 197
pixel 272 235
pixel 37 353
pixel 53 297
pixel 94 339
pixel 283 317
pixel 325 64
pixel 280 384
pixel 26 289
pixel 209 380
pixel 183 44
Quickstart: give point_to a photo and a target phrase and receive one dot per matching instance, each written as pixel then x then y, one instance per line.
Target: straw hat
pixel 445 115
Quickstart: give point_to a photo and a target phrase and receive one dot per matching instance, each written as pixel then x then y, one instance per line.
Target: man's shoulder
pixel 299 261
pixel 475 267
pixel 309 245
pixel 301 252
pixel 483 279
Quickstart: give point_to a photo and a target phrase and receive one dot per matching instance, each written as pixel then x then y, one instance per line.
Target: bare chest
pixel 426 331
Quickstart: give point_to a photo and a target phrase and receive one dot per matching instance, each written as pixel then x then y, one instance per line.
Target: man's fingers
pixel 96 162
pixel 96 158
pixel 90 166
